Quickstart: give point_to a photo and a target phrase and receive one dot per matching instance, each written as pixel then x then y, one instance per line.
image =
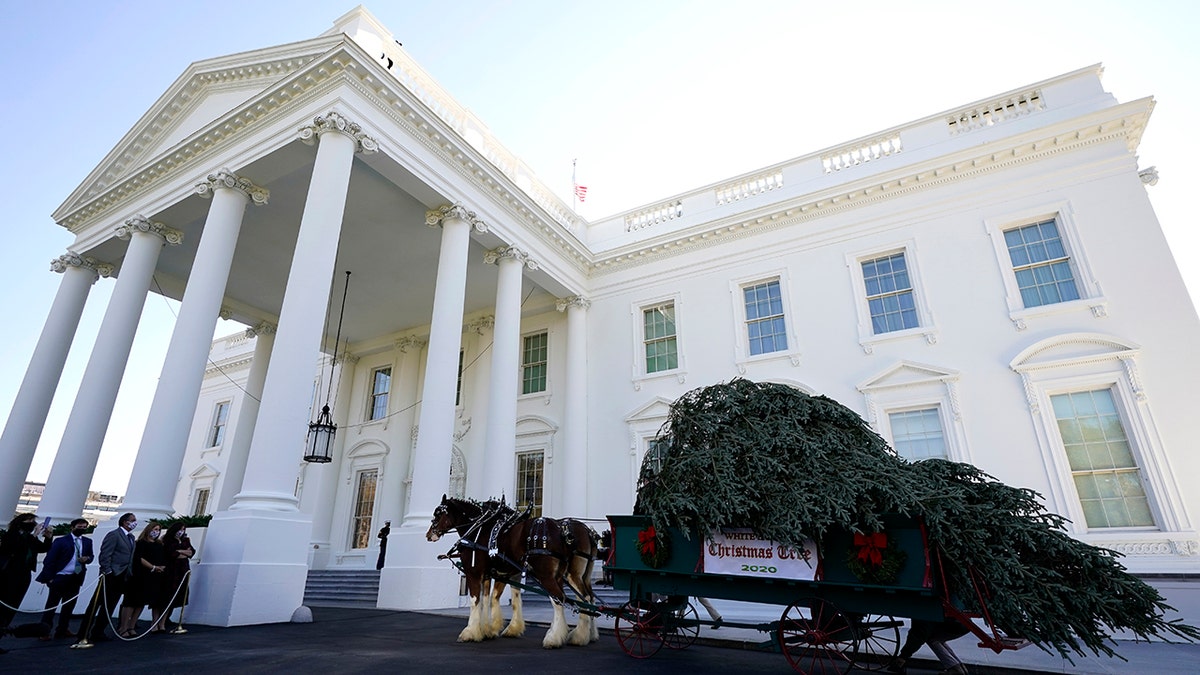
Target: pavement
pixel 355 640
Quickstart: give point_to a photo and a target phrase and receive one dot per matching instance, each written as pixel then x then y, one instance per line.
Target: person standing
pixel 179 552
pixel 62 572
pixel 19 548
pixel 116 566
pixel 149 582
pixel 383 535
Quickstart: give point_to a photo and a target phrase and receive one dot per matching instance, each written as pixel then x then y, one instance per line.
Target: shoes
pixel 63 634
pixel 45 638
pixel 897 666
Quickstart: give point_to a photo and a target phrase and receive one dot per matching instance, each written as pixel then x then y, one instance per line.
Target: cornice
pixel 1127 124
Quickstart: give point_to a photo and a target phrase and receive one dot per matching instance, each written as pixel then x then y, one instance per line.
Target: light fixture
pixel 319 447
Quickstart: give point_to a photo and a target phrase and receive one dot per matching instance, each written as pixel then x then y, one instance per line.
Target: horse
pixel 498 544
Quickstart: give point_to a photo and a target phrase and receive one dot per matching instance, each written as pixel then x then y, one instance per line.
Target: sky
pixel 650 98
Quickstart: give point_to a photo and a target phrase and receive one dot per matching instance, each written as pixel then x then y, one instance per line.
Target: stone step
pixel 342 588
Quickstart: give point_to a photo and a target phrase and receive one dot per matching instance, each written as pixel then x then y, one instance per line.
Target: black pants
pixel 62 587
pixel 13 584
pixel 103 605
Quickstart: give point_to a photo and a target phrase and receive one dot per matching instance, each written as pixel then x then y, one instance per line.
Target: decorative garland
pixel 874 559
pixel 654 547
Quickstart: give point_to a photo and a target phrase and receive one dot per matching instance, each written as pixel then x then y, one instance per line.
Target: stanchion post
pixel 179 629
pixel 84 642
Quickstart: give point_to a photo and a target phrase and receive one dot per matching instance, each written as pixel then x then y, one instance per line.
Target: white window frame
pixel 907 385
pixel 521 382
pixel 742 356
pixel 1090 296
pixel 886 421
pixel 545 468
pixel 643 425
pixel 639 375
pixel 925 328
pixel 369 408
pixel 1087 361
pixel 212 427
pixel 199 508
pixel 355 483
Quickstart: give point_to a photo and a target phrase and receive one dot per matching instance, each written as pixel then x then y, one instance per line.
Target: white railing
pixel 994 112
pixel 654 215
pixel 749 187
pixel 861 153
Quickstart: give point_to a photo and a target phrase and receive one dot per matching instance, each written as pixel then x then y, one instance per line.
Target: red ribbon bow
pixel 870 547
pixel 646 540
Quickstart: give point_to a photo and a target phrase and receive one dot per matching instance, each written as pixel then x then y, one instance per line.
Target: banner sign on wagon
pixel 740 552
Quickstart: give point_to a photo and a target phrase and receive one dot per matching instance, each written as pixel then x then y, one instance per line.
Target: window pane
pixel 1040 264
pixel 890 298
pixel 529 481
pixel 659 337
pixel 917 434
pixel 1104 468
pixel 765 325
pixel 381 385
pixel 534 356
pixel 364 508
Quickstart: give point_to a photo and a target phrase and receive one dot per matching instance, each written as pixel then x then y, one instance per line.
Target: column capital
pixel 261 328
pixel 495 255
pixel 478 326
pixel 224 178
pixel 346 358
pixel 335 121
pixel 411 342
pixel 140 223
pixel 62 262
pixel 574 301
pixel 455 211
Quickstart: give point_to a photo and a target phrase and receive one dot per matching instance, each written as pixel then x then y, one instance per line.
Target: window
pixel 529 481
pixel 364 508
pixel 200 507
pixel 1041 264
pixel 216 434
pixel 1103 467
pixel 889 294
pixel 766 329
pixel 533 363
pixel 381 385
pixel 662 352
pixel 458 386
pixel 917 434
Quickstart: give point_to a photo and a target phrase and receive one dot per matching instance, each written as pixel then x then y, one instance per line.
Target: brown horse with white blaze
pixel 497 544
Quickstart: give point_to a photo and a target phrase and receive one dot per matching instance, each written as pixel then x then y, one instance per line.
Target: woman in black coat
pixel 19 549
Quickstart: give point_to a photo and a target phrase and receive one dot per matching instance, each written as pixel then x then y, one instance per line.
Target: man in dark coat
pixel 116 567
pixel 63 571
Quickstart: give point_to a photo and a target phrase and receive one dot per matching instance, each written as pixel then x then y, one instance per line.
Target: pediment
pixel 533 425
pixel 656 410
pixel 205 470
pixel 207 91
pixel 907 373
pixel 1072 348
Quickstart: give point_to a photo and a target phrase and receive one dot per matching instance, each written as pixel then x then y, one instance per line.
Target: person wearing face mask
pixel 19 548
pixel 62 572
pixel 149 582
pixel 179 551
pixel 116 567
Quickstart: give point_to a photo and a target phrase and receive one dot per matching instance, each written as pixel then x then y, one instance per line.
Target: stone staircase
pixel 342 588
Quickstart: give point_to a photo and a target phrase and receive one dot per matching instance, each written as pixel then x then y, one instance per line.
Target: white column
pixel 575 453
pixel 256 557
pixel 420 580
pixel 164 440
pixel 318 495
pixel 79 450
pixel 247 415
pixel 29 410
pixel 498 461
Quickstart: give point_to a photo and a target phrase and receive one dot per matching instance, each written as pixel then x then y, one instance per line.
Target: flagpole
pixel 574 189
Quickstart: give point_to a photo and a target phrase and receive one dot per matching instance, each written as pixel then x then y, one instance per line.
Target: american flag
pixel 581 192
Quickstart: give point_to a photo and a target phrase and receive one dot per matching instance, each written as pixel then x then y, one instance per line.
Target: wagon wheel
pixel 815 637
pixel 682 627
pixel 877 642
pixel 639 629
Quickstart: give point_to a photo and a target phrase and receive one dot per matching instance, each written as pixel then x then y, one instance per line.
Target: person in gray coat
pixel 116 567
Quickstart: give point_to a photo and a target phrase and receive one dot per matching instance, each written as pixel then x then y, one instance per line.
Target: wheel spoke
pixel 639 629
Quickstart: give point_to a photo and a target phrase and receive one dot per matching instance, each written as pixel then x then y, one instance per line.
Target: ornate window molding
pixel 905 386
pixel 867 337
pixel 743 358
pixel 638 335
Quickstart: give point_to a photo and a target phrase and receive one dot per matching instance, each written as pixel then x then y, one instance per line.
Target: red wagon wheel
pixel 639 629
pixel 877 642
pixel 683 627
pixel 815 637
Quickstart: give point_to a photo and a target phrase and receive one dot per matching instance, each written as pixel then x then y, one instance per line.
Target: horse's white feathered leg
pixel 581 634
pixel 496 620
pixel 557 635
pixel 473 631
pixel 516 627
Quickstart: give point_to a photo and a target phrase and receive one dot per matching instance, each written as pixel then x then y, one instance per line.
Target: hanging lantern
pixel 319 448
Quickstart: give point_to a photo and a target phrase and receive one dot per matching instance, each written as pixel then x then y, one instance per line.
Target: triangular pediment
pixel 907 373
pixel 656 409
pixel 206 92
pixel 1072 348
pixel 205 470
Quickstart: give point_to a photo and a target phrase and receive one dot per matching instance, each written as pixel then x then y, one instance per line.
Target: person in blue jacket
pixel 62 572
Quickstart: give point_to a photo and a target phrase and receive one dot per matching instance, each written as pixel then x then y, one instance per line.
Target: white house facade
pixel 988 284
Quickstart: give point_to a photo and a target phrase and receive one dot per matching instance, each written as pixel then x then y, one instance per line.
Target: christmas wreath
pixel 654 547
pixel 875 560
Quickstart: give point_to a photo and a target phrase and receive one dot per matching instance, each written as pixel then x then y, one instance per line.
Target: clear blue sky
pixel 653 98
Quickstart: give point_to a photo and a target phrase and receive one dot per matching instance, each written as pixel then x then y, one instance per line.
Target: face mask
pixel 79 532
pixel 154 535
pixel 132 526
pixel 26 526
pixel 181 535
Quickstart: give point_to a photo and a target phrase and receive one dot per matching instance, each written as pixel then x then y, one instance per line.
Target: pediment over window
pixel 203 471
pixel 656 409
pixel 534 425
pixel 906 374
pixel 1074 348
pixel 368 448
